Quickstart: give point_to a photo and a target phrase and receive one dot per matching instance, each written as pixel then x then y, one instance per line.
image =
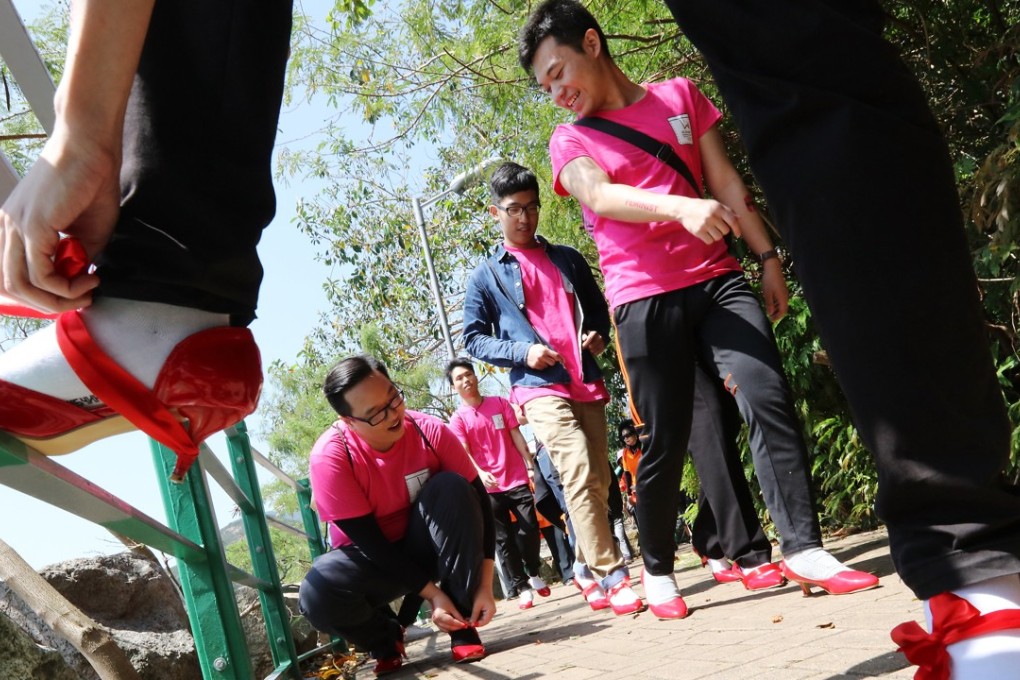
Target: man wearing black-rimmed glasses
pixel 534 307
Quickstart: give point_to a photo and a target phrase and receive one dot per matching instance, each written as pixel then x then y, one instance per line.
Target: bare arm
pixel 522 448
pixel 707 219
pixel 487 479
pixel 725 183
pixel 74 186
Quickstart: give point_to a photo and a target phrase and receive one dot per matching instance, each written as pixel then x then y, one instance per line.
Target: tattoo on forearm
pixel 643 206
pixel 749 203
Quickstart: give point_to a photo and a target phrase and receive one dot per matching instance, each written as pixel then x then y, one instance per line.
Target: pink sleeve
pixel 337 493
pixel 509 416
pixel 705 113
pixel 457 425
pixel 565 146
pixel 452 455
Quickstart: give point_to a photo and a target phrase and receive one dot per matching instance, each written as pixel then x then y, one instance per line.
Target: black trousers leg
pixel 345 594
pixel 657 357
pixel 880 250
pixel 523 506
pixel 563 556
pixel 727 524
pixel 197 196
pixel 506 543
pixel 444 537
pixel 737 344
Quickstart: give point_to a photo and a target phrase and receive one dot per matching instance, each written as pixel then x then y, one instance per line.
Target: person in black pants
pixel 170 213
pixel 678 297
pixel 813 86
pixel 408 516
pixel 727 525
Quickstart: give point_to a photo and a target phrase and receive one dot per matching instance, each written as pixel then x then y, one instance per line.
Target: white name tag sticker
pixel 682 128
pixel 497 421
pixel 415 481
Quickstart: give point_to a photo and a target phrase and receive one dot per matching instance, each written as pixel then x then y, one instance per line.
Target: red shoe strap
pixel 69 261
pixel 953 619
pixel 118 389
pixel 9 308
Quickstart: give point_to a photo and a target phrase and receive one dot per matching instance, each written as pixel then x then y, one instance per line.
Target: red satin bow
pixel 69 260
pixel 953 619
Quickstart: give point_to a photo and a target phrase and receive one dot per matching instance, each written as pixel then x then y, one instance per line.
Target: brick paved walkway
pixel 731 633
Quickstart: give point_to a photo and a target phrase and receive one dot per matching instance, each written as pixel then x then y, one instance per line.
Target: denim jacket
pixel 496 326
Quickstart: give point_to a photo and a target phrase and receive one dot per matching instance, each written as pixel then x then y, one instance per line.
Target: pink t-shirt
pixel 640 260
pixel 550 308
pixel 486 431
pixel 383 484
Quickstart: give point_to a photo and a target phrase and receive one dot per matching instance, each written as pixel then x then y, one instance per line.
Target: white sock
pixel 996 655
pixel 816 564
pixel 623 596
pixel 660 589
pixel 718 565
pixel 137 335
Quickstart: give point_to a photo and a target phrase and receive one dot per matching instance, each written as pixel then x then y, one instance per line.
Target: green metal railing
pixel 191 536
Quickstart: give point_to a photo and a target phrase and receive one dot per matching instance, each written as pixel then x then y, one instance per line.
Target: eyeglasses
pixel 628 435
pixel 517 210
pixel 382 415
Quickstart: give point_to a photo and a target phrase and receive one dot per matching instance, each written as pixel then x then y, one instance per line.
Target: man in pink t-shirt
pixel 489 431
pixel 679 299
pixel 535 307
pixel 404 520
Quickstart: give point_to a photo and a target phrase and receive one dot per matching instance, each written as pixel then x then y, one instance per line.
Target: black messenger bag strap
pixel 661 150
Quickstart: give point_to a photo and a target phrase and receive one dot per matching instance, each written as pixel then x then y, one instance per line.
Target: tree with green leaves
pixel 444 82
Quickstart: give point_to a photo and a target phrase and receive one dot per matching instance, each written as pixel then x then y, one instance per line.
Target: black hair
pixel 459 362
pixel 625 427
pixel 566 21
pixel 346 375
pixel 510 178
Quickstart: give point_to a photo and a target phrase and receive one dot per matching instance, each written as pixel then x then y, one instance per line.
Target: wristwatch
pixel 769 254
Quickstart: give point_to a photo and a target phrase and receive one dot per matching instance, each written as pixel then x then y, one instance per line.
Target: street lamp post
pixel 459 184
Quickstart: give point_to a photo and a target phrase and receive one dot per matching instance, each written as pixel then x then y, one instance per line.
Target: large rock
pixel 134 598
pixel 130 595
pixel 22 659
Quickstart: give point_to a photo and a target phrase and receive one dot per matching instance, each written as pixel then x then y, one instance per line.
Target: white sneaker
pixel 527 599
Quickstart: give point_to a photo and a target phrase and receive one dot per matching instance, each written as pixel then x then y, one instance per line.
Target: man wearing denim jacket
pixel 535 307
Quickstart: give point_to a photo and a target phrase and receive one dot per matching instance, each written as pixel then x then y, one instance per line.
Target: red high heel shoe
pixel 593 595
pixel 391 664
pixel 467 653
pixel 731 575
pixel 843 583
pixel 212 380
pixel 768 575
pixel 675 608
pixel 953 620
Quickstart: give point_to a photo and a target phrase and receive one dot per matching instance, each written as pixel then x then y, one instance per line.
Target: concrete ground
pixel 730 634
